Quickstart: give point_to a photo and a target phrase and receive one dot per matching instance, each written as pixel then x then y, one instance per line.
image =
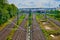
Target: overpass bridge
pixel 36 9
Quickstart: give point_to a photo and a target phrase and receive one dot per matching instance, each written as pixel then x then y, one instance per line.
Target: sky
pixel 35 3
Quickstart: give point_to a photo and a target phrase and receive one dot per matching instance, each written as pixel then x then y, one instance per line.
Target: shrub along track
pixel 4 33
pixel 20 33
pixel 36 31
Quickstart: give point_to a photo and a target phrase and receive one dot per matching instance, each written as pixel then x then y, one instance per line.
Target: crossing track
pixel 5 32
pixel 36 30
pixel 20 33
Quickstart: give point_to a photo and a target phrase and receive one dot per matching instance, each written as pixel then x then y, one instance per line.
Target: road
pixel 20 34
pixel 36 30
pixel 5 32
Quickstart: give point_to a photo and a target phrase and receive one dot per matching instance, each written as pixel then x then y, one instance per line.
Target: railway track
pixel 20 34
pixel 54 21
pixel 5 32
pixel 36 31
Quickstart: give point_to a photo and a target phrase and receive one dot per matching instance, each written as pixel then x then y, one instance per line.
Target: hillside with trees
pixel 7 11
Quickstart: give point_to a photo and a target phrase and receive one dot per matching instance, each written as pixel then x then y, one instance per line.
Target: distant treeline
pixel 7 11
pixel 56 12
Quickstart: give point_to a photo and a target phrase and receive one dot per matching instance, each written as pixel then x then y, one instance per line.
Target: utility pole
pixel 17 17
pixel 29 17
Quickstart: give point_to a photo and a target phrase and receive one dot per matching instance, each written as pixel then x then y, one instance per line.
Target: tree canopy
pixel 7 11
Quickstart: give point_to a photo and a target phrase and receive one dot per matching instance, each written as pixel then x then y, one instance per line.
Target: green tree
pixel 6 11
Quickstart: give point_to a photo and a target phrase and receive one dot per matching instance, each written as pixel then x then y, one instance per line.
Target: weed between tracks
pixel 49 34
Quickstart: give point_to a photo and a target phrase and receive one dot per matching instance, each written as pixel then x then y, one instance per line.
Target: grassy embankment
pixel 6 23
pixel 53 16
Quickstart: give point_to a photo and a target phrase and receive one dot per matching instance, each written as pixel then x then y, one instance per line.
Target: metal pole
pixel 17 18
